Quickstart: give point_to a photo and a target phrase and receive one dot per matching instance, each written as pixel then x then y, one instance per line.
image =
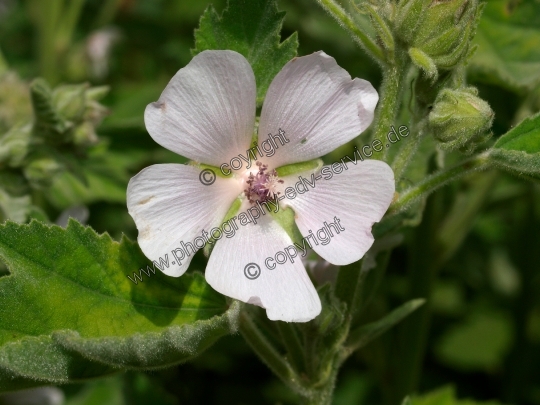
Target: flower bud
pixel 70 101
pixel 438 31
pixel 85 135
pixel 460 119
pixel 40 172
pixel 14 145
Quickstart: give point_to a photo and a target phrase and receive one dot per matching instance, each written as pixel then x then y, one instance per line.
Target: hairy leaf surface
pixel 69 312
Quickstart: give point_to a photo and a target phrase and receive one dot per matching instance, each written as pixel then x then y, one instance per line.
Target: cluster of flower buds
pixel 41 129
pixel 67 114
pixel 460 119
pixel 437 33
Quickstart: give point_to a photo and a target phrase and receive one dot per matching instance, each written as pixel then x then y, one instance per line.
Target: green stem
pixel 437 180
pixel 460 219
pixel 268 353
pixel 365 41
pixel 47 15
pixel 427 258
pixel 324 395
pixel 289 337
pixel 389 102
pixel 70 18
pixel 408 356
pixel 407 152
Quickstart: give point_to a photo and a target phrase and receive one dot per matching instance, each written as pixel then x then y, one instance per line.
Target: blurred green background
pixel 484 336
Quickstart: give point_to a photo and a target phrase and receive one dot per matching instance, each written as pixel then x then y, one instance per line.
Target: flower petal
pixel 286 292
pixel 317 105
pixel 207 111
pixel 358 197
pixel 170 205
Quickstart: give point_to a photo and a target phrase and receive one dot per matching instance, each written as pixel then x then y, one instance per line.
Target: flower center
pixel 263 185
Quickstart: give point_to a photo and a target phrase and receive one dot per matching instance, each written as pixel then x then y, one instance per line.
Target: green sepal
pixel 286 219
pixel 233 210
pixel 424 62
pixel 408 15
pixel 381 27
pixel 295 168
pixel 217 171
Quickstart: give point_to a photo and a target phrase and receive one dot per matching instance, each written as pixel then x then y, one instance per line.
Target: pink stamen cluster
pixel 263 185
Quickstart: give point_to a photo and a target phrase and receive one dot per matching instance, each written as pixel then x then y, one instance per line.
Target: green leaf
pixel 69 312
pixel 249 27
pixel 508 39
pixel 518 151
pixel 361 336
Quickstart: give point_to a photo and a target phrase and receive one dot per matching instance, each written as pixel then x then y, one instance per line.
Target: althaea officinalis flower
pixel 207 113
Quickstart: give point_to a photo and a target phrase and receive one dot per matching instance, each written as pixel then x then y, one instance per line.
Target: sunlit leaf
pixel 508 39
pixel 249 27
pixel 69 312
pixel 518 151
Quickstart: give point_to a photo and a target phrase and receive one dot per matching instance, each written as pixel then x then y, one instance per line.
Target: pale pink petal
pixel 345 206
pixel 170 205
pixel 207 111
pixel 317 105
pixel 286 292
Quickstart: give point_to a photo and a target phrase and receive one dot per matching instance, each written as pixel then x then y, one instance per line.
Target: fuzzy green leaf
pixel 518 151
pixel 69 312
pixel 249 27
pixel 508 39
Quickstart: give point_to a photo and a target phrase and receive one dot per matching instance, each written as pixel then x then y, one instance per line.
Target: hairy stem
pixel 407 151
pixel 389 102
pixel 437 180
pixel 365 41
pixel 295 351
pixel 269 355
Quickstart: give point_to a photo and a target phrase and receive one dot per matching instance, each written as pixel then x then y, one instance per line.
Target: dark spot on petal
pixel 160 104
pixel 146 200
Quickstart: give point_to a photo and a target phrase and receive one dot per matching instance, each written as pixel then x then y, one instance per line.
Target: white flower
pixel 207 114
